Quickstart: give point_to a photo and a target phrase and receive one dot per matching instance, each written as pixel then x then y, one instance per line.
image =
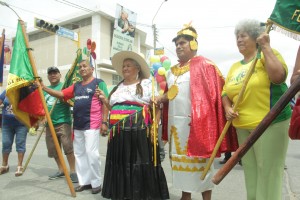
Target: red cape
pixel 207 113
pixel 207 117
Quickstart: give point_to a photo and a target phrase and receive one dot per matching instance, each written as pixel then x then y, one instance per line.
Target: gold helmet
pixel 188 30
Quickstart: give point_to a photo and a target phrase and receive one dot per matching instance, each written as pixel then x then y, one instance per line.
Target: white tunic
pixel 186 170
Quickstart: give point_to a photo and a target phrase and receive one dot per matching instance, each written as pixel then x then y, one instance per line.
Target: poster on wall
pixel 124 30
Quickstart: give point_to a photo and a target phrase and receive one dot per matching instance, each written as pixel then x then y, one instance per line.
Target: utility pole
pixel 155 39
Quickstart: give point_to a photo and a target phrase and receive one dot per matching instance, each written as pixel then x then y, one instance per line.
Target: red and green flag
pixel 286 17
pixel 21 90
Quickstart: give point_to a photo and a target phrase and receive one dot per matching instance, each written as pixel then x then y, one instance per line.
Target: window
pixel 116 79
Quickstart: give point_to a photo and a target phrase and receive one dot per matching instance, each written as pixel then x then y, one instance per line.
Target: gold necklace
pixel 177 71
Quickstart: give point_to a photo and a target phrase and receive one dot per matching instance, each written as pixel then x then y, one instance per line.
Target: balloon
pixel 163 85
pixel 161 71
pixel 160 78
pixel 154 59
pixel 156 66
pixel 93 54
pixel 89 44
pixel 163 58
pixel 93 46
pixel 161 92
pixel 167 64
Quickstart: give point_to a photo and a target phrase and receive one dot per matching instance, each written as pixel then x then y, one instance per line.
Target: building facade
pixel 53 50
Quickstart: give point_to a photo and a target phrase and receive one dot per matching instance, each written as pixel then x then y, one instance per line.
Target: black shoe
pixel 223 161
pixel 96 190
pixel 80 188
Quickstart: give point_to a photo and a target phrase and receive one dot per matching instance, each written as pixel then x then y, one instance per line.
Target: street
pixel 34 183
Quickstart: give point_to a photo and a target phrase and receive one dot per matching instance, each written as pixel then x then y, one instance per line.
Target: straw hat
pixel 118 58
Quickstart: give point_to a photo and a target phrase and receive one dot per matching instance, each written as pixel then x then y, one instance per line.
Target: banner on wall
pixel 124 30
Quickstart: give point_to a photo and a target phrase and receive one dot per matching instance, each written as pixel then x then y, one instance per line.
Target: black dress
pixel 129 169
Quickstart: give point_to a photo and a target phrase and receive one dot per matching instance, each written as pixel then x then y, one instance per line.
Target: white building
pixel 53 50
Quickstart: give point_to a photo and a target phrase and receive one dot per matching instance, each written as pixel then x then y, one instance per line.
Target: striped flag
pixel 21 90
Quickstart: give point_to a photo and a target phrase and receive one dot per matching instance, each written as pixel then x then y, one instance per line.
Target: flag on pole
pixel 286 17
pixel 73 75
pixel 2 41
pixel 21 91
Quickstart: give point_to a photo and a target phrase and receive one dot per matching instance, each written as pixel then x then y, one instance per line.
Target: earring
pixel 193 45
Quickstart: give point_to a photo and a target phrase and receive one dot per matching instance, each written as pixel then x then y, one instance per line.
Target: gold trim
pixel 191 160
pixel 177 143
pixel 178 71
pixel 188 169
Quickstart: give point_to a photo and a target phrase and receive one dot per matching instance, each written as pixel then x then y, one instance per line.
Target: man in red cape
pixel 195 116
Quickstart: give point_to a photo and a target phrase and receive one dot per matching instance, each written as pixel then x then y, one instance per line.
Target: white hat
pixel 118 58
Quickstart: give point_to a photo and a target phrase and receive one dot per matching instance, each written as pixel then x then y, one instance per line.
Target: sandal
pixel 19 171
pixel 4 169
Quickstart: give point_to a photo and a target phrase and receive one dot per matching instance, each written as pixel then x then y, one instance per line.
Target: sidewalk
pixel 34 184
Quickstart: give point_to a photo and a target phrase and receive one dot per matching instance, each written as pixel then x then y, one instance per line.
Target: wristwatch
pixel 106 123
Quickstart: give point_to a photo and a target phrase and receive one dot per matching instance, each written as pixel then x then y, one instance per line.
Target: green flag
pixel 73 75
pixel 21 92
pixel 286 17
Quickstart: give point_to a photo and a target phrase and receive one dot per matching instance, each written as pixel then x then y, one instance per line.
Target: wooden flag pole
pixel 240 97
pixel 55 140
pixel 37 141
pixel 258 131
pixel 39 136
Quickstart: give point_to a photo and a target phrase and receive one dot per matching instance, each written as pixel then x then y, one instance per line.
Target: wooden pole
pixel 37 141
pixel 240 97
pixel 39 136
pixel 258 131
pixel 57 147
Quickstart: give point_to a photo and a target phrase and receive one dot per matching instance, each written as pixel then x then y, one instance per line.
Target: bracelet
pixel 106 123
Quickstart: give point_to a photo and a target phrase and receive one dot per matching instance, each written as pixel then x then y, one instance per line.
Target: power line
pixel 68 3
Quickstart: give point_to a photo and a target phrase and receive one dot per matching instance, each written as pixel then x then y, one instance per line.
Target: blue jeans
pixel 8 135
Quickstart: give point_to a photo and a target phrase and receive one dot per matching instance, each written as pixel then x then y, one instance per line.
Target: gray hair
pixel 251 26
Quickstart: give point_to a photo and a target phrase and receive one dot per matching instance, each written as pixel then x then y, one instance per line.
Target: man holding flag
pixel 61 119
pixel 90 119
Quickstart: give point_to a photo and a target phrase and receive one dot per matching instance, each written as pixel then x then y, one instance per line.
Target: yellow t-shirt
pixel 260 94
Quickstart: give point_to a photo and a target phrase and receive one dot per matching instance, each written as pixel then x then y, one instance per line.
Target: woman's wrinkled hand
pixel 230 114
pixel 263 40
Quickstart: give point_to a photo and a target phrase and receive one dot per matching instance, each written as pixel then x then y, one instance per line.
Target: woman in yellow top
pixel 264 162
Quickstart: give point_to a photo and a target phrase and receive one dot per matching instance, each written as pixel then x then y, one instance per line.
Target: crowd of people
pixel 133 168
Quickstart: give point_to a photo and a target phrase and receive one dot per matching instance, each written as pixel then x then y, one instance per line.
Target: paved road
pixel 34 184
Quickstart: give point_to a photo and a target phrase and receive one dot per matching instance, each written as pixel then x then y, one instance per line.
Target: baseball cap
pixel 53 69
